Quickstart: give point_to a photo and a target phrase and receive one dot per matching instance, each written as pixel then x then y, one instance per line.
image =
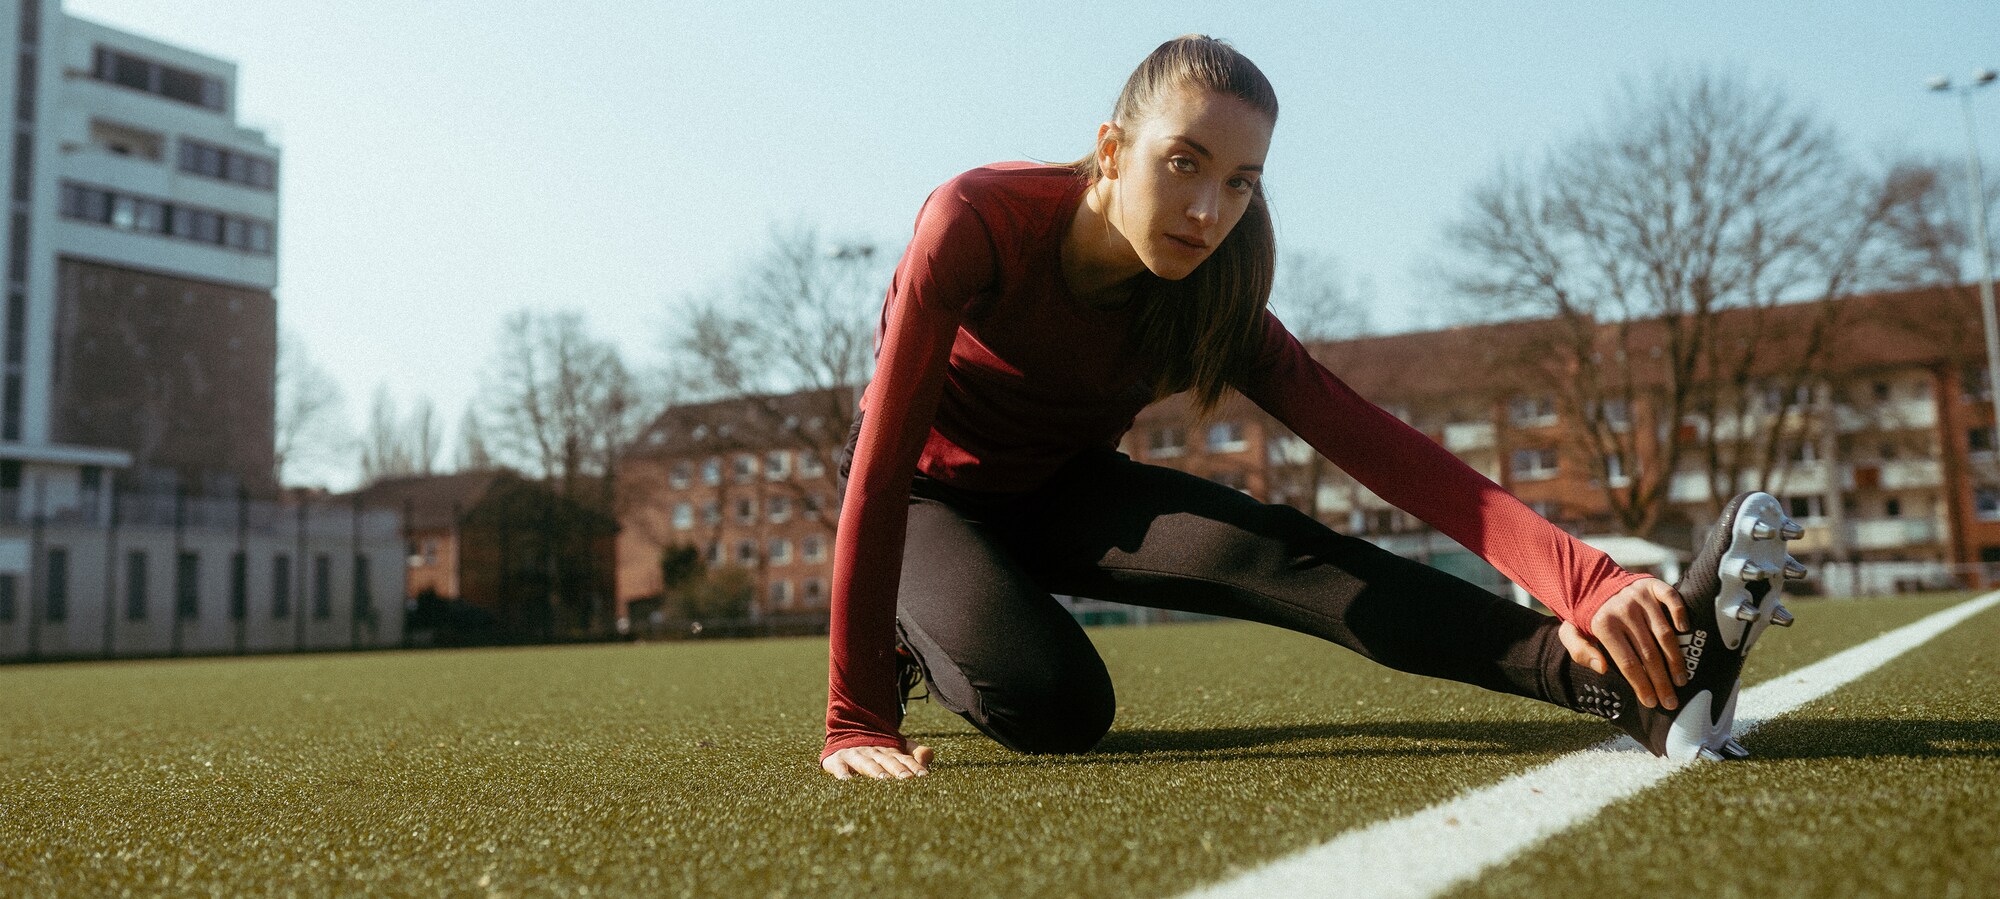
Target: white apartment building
pixel 139 513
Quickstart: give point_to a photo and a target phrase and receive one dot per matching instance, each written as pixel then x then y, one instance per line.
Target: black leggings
pixel 978 570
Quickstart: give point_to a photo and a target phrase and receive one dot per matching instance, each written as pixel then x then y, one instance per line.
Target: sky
pixel 447 162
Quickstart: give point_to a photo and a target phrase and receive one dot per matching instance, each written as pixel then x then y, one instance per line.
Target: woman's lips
pixel 1192 244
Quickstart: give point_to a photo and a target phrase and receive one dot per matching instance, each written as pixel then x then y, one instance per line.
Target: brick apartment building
pixel 747 483
pixel 1886 451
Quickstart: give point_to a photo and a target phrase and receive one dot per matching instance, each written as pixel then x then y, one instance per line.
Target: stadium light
pixel 1942 84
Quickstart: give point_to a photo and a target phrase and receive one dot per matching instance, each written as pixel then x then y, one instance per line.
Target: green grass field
pixel 692 769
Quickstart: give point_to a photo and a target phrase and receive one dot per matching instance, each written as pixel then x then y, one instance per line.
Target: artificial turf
pixel 1889 786
pixel 692 768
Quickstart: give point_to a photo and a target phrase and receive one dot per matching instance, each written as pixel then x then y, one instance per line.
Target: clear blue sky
pixel 448 162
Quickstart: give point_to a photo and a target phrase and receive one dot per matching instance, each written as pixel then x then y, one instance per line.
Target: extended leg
pixel 1112 528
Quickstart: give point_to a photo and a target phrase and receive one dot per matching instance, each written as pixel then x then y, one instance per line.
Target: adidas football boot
pixel 1732 591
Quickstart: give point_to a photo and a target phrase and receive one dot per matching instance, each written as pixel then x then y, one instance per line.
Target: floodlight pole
pixel 1978 201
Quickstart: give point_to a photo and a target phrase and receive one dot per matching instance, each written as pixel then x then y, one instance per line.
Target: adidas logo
pixel 1691 646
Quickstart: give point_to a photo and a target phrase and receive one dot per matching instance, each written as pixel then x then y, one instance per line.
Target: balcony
pixel 1892 533
pixel 1909 474
pixel 1466 436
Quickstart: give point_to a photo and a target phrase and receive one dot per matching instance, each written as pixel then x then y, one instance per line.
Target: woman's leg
pixel 1111 528
pixel 995 646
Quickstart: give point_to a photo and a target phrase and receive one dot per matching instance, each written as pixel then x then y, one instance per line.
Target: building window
pixel 1978 387
pixel 9 589
pixel 224 164
pixel 239 587
pixel 680 475
pixel 1986 503
pixel 135 585
pixel 711 471
pixel 1892 507
pixel 1980 439
pixel 746 510
pixel 683 516
pixel 777 465
pixel 1617 413
pixel 281 586
pixel 1166 443
pixel 187 585
pixel 745 468
pixel 813 548
pixel 780 509
pixel 781 552
pixel 813 592
pixel 57 597
pixel 159 79
pixel 1234 479
pixel 811 506
pixel 1226 437
pixel 711 513
pixel 364 598
pixel 714 554
pixel 781 594
pixel 1531 411
pixel 1534 464
pixel 430 551
pixel 1804 452
pixel 1547 509
pixel 1804 507
pixel 129 212
pixel 322 596
pixel 746 553
pixel 809 465
pixel 1614 470
pixel 125 140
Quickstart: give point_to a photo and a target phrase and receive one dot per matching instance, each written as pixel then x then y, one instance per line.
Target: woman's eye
pixel 1242 184
pixel 1181 164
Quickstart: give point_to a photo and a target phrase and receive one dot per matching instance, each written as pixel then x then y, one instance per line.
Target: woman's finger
pixel 1582 649
pixel 864 762
pixel 1652 660
pixel 1628 665
pixel 896 764
pixel 1676 607
pixel 923 756
pixel 1668 639
pixel 836 765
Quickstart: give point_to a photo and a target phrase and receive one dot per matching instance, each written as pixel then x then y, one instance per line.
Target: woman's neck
pixel 1097 261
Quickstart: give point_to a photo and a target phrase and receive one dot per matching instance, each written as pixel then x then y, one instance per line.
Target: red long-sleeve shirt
pixel 989 375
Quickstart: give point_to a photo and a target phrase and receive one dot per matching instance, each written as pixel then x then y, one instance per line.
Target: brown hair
pixel 1204 328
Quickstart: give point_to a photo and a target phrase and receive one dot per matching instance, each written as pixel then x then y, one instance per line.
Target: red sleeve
pixel 1415 474
pixel 950 259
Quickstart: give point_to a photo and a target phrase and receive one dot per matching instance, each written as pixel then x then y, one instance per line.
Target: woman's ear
pixel 1109 139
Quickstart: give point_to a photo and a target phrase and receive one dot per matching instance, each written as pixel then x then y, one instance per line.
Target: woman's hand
pixel 1638 629
pixel 879 762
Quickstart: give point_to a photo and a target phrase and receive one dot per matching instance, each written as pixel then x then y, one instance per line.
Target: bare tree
pixel 1667 247
pixel 311 428
pixel 1929 225
pixel 472 452
pixel 1317 300
pixel 1319 303
pixel 790 349
pixel 397 445
pixel 561 403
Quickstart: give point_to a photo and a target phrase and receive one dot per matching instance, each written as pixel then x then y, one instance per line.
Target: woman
pixel 1036 311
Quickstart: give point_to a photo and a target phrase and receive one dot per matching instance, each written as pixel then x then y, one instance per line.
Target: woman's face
pixel 1185 176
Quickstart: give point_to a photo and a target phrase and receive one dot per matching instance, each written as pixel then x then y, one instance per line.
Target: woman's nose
pixel 1204 207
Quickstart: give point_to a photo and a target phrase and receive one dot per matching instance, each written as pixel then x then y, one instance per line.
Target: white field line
pixel 1423 853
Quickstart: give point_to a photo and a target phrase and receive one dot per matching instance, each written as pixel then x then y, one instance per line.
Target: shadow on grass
pixel 1329 741
pixel 1872 738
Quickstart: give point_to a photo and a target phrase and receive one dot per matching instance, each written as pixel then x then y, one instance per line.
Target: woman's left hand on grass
pixel 1637 630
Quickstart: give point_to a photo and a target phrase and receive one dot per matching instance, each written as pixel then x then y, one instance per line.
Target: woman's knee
pixel 1066 716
